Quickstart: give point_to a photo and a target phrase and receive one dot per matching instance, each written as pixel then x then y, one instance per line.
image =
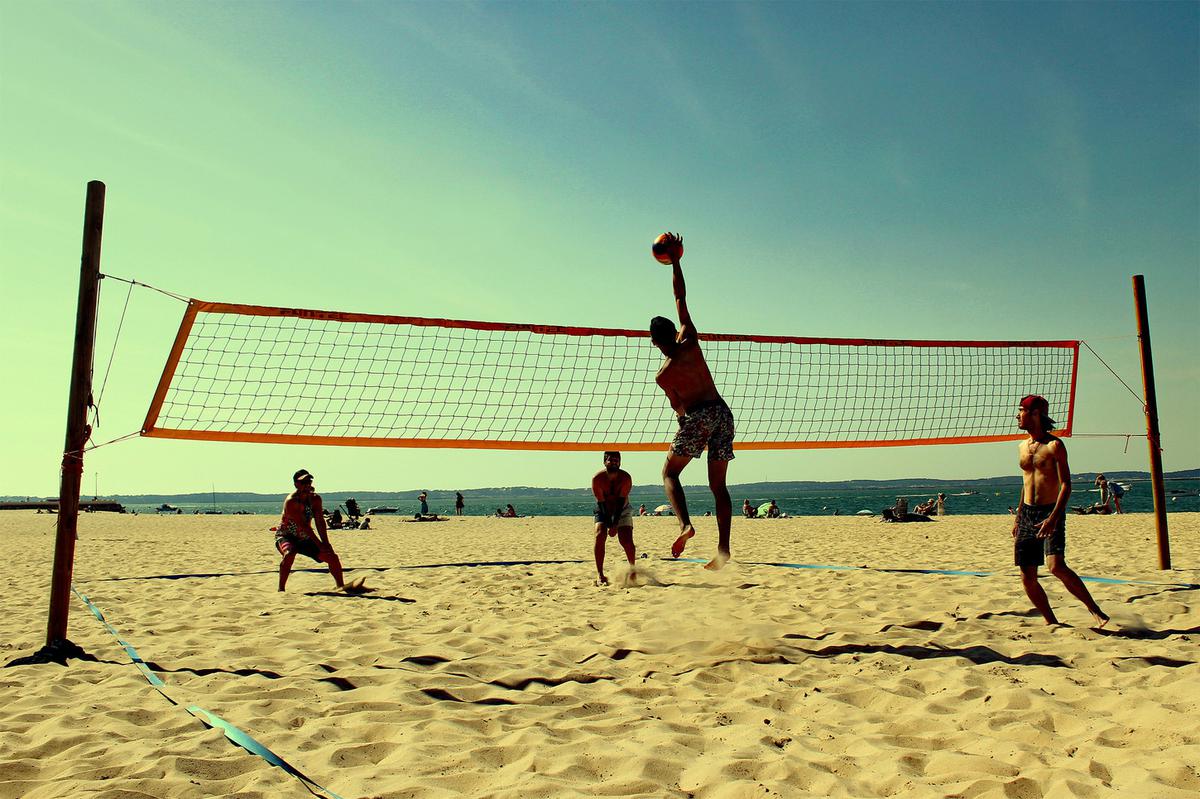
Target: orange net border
pixel 196 307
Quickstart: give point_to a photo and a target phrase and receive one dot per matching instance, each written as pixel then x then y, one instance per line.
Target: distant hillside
pixel 514 493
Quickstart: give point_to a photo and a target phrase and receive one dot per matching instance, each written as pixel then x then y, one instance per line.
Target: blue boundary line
pixel 207 718
pixel 950 572
pixel 814 566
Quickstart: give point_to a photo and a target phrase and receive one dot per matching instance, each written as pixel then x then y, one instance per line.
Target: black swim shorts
pixel 1029 550
pixel 304 545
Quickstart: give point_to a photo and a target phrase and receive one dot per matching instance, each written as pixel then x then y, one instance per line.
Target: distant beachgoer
pixel 613 516
pixel 1103 505
pixel 509 512
pixel 1012 510
pixel 366 524
pixel 773 511
pixel 295 535
pixel 748 510
pixel 704 418
pixel 926 507
pixel 1039 530
pixel 1117 491
pixel 335 519
pixel 422 498
pixel 941 504
pixel 641 510
pixel 458 504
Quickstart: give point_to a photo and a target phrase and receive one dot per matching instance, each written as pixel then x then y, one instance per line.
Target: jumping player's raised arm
pixel 687 329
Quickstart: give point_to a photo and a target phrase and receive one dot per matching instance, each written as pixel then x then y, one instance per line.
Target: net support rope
pixel 281 375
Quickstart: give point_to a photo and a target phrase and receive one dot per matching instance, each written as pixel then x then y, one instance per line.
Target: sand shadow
pixel 270 675
pixel 59 652
pixel 1145 634
pixel 376 597
pixel 1149 594
pixel 979 655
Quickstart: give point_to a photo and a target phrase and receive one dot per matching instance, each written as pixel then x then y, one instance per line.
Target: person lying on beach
pixel 705 420
pixel 1040 529
pixel 614 516
pixel 295 535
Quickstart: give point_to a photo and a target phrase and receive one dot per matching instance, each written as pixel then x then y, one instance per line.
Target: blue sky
pixel 986 171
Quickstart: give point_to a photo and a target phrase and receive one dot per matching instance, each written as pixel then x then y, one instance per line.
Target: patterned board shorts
pixel 709 425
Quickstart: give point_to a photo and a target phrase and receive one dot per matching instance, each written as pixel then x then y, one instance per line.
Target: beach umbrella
pixel 763 509
pixel 663 509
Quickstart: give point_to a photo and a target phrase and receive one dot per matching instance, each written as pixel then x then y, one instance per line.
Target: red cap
pixel 1033 402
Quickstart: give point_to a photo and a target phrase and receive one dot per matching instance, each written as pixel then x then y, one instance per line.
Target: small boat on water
pixel 373 511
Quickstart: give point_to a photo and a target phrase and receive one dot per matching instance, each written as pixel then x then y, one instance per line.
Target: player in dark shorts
pixel 705 421
pixel 1031 550
pixel 1039 529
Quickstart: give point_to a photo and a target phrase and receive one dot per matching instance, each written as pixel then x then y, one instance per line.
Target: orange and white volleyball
pixel 666 248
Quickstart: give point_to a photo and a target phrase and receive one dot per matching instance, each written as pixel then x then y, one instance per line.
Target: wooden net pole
pixel 77 409
pixel 1156 469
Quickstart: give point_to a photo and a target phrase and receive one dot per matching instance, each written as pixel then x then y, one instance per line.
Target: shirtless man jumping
pixel 1039 530
pixel 294 535
pixel 613 516
pixel 704 418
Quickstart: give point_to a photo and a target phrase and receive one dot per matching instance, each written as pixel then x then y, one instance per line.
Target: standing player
pixel 294 535
pixel 704 418
pixel 613 516
pixel 1039 531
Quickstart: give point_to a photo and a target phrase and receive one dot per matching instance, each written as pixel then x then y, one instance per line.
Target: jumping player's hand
pixel 676 240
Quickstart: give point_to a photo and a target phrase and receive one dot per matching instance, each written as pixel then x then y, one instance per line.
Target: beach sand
pixel 528 680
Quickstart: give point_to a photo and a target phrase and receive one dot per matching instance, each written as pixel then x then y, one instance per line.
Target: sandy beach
pixel 528 680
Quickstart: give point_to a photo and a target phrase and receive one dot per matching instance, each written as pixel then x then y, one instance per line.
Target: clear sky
pixel 892 170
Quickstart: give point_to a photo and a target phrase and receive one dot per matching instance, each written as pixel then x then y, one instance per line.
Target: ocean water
pixel 1182 496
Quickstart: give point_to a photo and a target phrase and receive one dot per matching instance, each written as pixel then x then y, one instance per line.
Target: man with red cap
pixel 1039 530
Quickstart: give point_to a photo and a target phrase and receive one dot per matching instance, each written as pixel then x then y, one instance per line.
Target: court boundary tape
pixel 813 566
pixel 209 719
pixel 947 572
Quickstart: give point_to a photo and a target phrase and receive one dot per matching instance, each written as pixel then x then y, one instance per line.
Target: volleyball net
pixel 281 375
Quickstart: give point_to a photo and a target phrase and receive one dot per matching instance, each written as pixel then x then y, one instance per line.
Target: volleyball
pixel 666 246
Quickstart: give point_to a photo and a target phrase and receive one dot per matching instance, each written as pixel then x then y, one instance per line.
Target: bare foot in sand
pixel 718 562
pixel 1101 620
pixel 681 542
pixel 357 587
pixel 602 580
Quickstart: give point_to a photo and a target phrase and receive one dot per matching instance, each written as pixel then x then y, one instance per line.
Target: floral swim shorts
pixel 707 425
